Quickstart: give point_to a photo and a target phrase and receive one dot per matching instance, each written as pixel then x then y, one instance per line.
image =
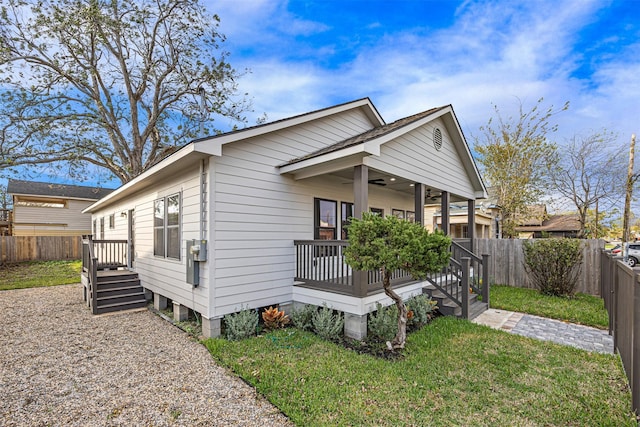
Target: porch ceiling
pixel 396 183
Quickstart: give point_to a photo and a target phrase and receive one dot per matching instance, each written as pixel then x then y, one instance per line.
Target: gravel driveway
pixel 62 366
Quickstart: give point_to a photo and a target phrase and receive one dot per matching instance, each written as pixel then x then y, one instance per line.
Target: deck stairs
pixel 118 290
pixel 461 288
pixel 447 307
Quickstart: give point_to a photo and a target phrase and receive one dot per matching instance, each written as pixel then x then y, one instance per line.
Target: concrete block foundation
pixel 180 312
pixel 211 328
pixel 355 326
pixel 159 302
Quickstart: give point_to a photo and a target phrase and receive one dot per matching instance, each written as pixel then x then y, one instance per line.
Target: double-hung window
pixel 166 227
pixel 325 219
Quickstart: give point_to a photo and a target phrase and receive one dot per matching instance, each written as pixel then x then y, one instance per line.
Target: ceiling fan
pixel 429 196
pixel 377 181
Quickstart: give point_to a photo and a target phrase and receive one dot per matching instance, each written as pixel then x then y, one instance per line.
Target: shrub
pixel 422 307
pixel 303 318
pixel 327 324
pixel 383 323
pixel 241 325
pixel 553 264
pixel 274 318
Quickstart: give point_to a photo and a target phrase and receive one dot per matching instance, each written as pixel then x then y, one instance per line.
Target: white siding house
pixel 48 209
pixel 256 195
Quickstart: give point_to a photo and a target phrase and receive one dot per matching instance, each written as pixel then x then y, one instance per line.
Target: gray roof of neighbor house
pixel 47 189
pixel 570 222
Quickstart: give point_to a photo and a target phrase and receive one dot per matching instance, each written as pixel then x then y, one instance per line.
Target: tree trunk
pixel 401 336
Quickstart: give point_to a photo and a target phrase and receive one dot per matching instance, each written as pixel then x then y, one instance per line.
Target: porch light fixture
pixel 411 185
pixel 123 214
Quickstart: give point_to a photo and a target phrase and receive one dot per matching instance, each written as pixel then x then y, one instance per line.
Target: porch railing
pixel 320 264
pixel 100 255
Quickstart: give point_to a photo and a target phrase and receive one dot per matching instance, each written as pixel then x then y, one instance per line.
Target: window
pixel 347 214
pixel 95 229
pixel 398 213
pixel 41 203
pixel 166 227
pixel 377 211
pixel 325 219
pixel 411 216
pixel 112 221
pixel 465 231
pixel 102 228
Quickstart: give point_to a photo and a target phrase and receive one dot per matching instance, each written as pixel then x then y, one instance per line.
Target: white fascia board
pixel 212 148
pixel 325 158
pixel 155 169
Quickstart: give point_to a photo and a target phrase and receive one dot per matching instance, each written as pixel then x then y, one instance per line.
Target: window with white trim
pixel 166 227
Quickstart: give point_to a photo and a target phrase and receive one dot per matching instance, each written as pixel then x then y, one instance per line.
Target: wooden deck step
pixel 118 290
pixel 449 308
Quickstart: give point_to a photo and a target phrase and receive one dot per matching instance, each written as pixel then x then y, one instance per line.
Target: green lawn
pixel 583 309
pixel 39 273
pixel 454 373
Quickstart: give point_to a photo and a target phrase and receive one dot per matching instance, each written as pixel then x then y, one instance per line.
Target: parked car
pixel 617 249
pixel 634 254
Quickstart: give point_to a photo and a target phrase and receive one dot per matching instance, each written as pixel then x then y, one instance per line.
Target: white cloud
pixel 495 52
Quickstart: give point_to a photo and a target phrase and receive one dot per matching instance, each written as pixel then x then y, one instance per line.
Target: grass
pixel 453 373
pixel 35 274
pixel 583 309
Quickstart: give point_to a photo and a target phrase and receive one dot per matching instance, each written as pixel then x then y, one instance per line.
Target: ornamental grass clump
pixel 274 318
pixel 553 265
pixel 241 325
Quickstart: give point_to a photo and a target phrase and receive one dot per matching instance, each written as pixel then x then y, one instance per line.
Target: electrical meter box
pixel 196 253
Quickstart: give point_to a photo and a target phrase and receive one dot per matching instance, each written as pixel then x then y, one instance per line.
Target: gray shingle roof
pixel 33 188
pixel 366 136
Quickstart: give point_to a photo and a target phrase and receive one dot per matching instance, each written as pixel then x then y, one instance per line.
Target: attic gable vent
pixel 437 139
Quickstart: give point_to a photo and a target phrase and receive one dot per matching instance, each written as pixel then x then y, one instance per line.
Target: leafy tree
pixel 388 244
pixel 112 83
pixel 589 173
pixel 514 155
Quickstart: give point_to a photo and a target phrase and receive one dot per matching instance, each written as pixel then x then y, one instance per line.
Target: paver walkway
pixel 583 337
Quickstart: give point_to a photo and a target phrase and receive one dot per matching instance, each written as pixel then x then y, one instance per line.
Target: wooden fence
pixel 621 294
pixel 39 248
pixel 506 263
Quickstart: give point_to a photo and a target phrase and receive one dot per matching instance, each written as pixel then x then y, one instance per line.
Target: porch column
pixel 419 202
pixel 360 190
pixel 444 209
pixel 360 205
pixel 471 222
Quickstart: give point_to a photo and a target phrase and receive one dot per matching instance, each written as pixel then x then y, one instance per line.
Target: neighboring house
pixel 267 207
pixel 486 218
pixel 46 209
pixel 537 223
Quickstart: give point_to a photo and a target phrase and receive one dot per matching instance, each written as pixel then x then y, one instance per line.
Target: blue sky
pixel 410 55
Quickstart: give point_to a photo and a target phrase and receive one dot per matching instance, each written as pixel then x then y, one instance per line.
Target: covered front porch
pixel 323 277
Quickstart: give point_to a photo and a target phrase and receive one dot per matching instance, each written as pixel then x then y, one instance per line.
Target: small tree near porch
pixel 388 244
